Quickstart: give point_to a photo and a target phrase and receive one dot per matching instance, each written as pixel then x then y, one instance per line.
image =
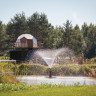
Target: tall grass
pixel 6 77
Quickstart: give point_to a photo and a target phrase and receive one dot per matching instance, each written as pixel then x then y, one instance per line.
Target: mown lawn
pixel 55 91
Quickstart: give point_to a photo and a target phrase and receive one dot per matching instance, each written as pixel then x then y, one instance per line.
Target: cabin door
pixel 30 43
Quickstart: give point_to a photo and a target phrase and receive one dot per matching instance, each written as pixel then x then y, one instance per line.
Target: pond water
pixel 57 80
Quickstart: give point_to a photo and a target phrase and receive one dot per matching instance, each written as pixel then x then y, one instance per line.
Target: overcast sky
pixel 57 11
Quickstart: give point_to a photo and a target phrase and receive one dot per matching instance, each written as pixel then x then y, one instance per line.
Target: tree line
pixel 80 40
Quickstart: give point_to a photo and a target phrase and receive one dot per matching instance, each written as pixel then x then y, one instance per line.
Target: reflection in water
pixel 58 80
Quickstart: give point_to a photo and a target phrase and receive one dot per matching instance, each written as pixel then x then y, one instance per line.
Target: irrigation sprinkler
pixel 50 73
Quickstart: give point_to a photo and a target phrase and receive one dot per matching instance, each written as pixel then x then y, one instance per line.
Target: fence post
pixel 15 71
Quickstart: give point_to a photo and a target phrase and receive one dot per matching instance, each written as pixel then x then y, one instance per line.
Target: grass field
pixel 54 91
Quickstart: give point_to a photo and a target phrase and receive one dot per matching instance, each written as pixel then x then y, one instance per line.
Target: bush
pixel 66 70
pixel 58 70
pixel 32 69
pixel 93 59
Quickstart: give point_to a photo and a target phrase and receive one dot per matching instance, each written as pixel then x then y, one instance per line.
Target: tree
pixel 90 39
pixel 67 34
pixel 76 40
pixel 39 27
pixel 16 27
pixel 56 37
pixel 2 38
pixel 33 24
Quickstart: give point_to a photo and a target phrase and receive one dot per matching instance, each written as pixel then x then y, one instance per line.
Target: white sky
pixel 57 11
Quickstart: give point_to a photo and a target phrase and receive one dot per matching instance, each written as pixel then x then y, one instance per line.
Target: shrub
pixel 93 59
pixel 58 70
pixel 32 69
pixel 66 70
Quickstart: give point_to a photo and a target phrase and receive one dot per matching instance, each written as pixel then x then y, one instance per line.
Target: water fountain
pixel 50 55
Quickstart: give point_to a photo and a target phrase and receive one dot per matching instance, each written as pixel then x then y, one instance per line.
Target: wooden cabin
pixel 26 41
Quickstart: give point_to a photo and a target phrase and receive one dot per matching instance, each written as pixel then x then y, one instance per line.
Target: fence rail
pixel 7 60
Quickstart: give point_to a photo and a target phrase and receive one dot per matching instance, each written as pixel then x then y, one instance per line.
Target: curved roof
pixel 27 36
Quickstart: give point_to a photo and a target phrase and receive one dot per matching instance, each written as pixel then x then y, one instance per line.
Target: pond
pixel 57 80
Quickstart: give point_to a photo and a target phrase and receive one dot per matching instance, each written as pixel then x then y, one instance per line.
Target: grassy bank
pixel 50 90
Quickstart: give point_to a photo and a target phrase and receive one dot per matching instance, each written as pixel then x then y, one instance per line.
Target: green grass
pixel 55 91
